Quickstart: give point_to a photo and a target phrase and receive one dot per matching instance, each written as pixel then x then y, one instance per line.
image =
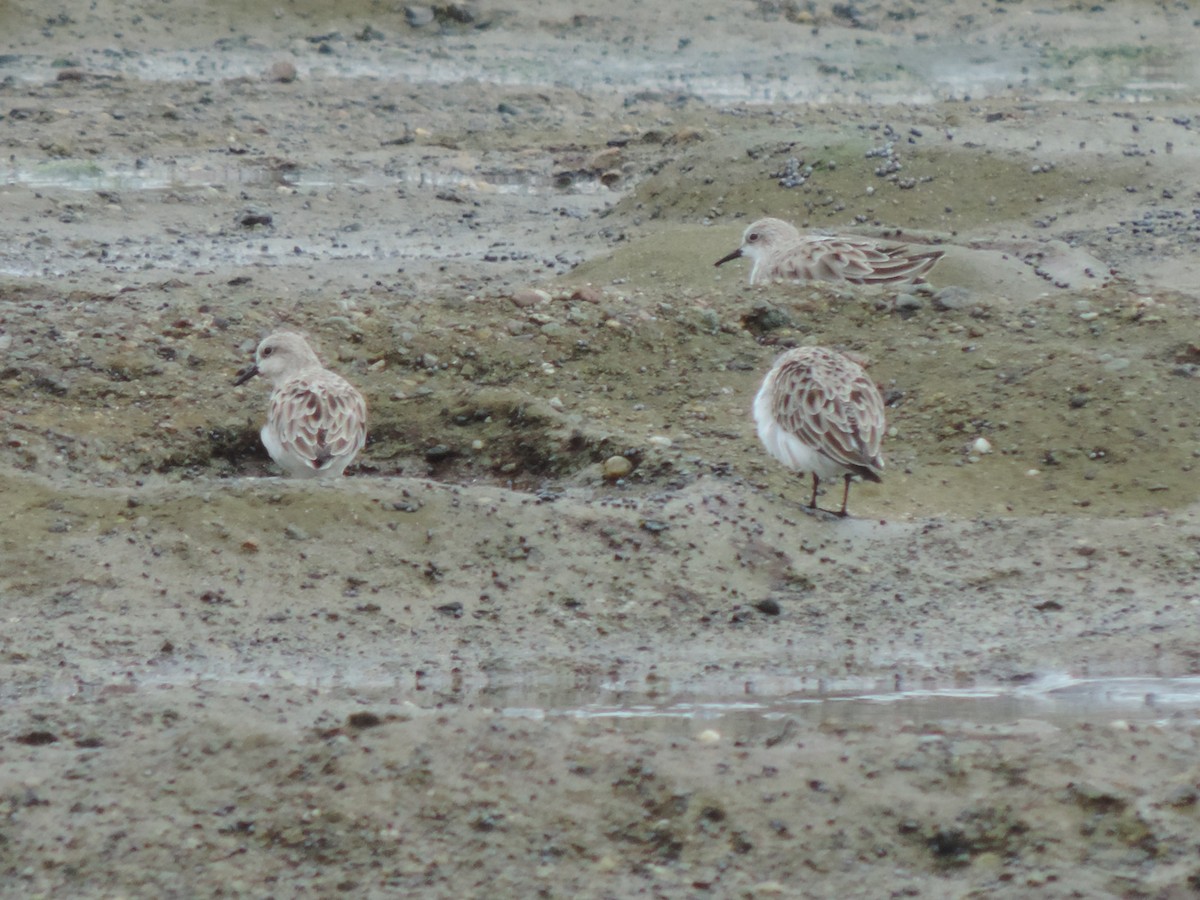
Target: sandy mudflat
pixel 476 667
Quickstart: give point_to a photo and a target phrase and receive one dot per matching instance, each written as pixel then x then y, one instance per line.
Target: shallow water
pixel 884 68
pixel 182 174
pixel 1054 699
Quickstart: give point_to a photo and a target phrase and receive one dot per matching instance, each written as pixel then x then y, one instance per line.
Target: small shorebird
pixel 781 253
pixel 316 420
pixel 818 412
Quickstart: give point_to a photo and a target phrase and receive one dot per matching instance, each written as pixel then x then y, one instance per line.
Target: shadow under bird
pixel 781 253
pixel 316 419
pixel 819 412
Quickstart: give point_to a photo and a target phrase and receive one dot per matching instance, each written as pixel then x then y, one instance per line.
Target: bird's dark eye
pixel 267 351
pixel 753 236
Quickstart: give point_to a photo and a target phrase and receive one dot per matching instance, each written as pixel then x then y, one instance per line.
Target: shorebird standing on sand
pixel 819 412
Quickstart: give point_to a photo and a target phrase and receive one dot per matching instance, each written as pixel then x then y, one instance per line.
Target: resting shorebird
pixel 818 412
pixel 316 420
pixel 781 253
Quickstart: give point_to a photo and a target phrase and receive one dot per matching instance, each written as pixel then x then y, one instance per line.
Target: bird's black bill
pixel 245 375
pixel 732 256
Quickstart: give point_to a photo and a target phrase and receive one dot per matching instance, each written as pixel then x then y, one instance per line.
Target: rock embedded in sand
pixel 588 294
pixel 529 297
pixel 617 467
pixel 282 71
pixel 418 16
pixel 953 297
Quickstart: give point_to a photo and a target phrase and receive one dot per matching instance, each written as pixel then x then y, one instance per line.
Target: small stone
pixel 686 136
pixel 37 738
pixel 617 467
pixel 909 303
pixel 708 736
pixel 418 16
pixel 530 297
pixel 606 159
pixel 953 297
pixel 282 71
pixel 1182 796
pixel 459 13
pixel 982 445
pixel 768 607
pixel 296 533
pixel 588 294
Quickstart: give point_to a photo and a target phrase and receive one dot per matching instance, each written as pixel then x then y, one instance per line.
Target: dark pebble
pixel 37 738
pixel 363 720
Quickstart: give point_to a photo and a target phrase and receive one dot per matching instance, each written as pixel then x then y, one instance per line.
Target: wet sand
pixel 477 665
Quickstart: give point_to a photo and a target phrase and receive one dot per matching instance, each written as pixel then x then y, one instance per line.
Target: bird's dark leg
pixel 813 502
pixel 845 498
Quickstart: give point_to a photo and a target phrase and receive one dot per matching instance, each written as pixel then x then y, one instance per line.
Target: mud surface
pixel 480 666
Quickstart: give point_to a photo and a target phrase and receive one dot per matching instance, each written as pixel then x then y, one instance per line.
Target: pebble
pixel 282 71
pixel 982 445
pixel 606 159
pixel 588 294
pixel 418 16
pixel 908 303
pixel 708 736
pixel 530 297
pixel 617 467
pixel 953 297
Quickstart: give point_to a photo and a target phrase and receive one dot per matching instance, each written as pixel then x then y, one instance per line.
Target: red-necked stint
pixel 316 419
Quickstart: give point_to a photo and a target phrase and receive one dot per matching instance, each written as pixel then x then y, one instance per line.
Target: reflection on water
pixel 1054 699
pixel 152 175
pixel 884 70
